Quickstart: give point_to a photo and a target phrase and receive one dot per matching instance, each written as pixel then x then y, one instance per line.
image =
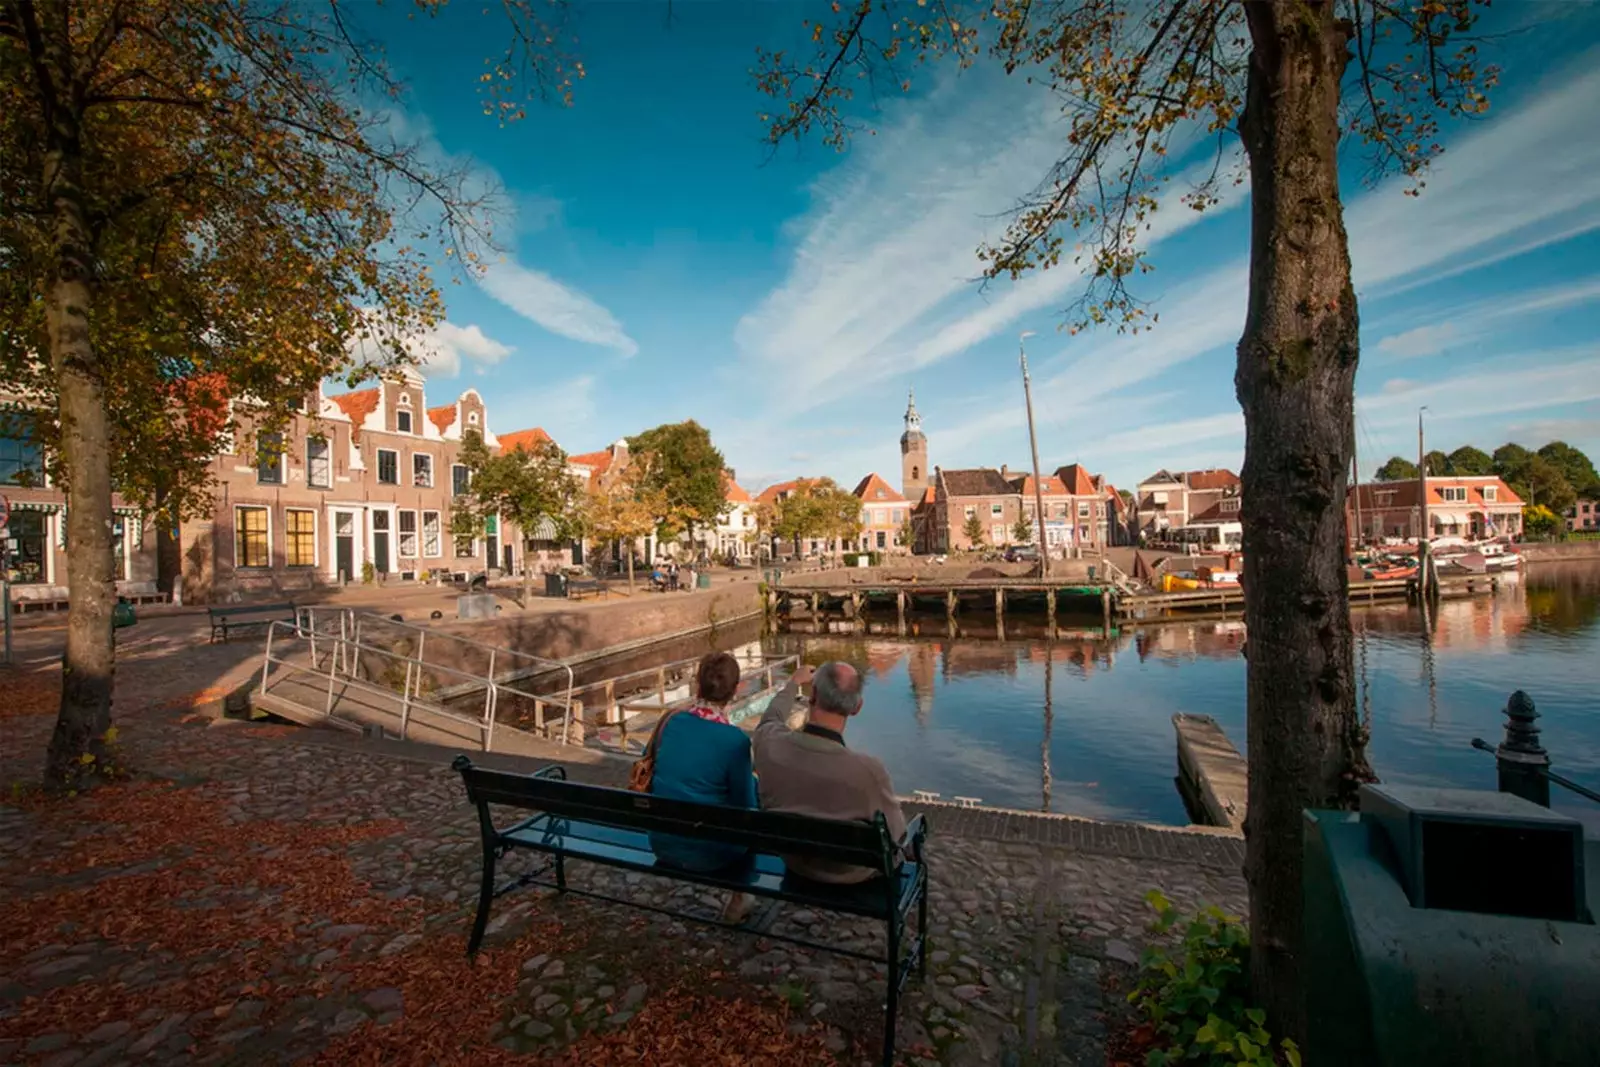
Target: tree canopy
pixel 1469 460
pixel 1396 469
pixel 686 476
pixel 530 487
pixel 625 507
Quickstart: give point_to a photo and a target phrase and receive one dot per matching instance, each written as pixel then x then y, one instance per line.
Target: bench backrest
pixel 251 609
pixel 864 844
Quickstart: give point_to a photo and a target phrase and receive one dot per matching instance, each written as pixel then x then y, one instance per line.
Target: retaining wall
pixel 1565 550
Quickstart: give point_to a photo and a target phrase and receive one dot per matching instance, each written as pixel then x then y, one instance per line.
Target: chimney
pixel 1005 471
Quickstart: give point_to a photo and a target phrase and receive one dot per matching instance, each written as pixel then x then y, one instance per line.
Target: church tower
pixel 913 454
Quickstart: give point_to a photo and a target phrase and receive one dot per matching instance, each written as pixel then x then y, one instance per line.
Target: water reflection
pixel 1082 724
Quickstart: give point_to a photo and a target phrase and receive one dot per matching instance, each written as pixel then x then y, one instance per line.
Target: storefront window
pixel 20 461
pixel 27 543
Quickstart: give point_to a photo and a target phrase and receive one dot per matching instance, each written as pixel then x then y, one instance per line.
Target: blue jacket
pixel 707 762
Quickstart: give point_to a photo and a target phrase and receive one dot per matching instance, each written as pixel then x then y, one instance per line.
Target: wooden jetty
pixel 1108 594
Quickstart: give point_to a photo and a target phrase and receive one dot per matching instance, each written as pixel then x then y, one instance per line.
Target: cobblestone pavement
pixel 266 894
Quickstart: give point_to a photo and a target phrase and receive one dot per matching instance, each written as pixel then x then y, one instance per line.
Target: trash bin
pixel 1449 927
pixel 123 615
pixel 702 581
pixel 555 584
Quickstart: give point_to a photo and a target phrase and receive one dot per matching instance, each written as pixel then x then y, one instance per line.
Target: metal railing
pixel 666 679
pixel 346 636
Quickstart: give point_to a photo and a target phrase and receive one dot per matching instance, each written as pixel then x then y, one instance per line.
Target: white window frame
pixel 997 533
pixel 1491 493
pixel 238 529
pixel 469 543
pixel 1083 509
pixel 996 509
pixel 437 551
pixel 311 464
pixel 414 457
pixel 316 547
pixel 1453 494
pixel 400 534
pixel 971 511
pixel 378 467
pixel 460 467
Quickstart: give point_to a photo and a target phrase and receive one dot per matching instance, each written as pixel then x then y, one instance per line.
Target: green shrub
pixel 1196 996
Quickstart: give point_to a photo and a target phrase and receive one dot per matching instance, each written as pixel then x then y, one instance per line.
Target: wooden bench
pixel 580 588
pixel 232 618
pixel 142 593
pixel 613 827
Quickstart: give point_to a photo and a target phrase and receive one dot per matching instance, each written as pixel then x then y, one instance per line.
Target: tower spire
pixel 913 420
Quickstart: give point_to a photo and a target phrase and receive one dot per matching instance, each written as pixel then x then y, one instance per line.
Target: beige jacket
pixel 810 775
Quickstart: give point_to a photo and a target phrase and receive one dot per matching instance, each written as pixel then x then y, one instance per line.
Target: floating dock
pixel 1212 775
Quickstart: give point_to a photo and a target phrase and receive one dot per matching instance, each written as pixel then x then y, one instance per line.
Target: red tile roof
pixel 1077 480
pixel 928 497
pixel 1050 485
pixel 442 417
pixel 357 406
pixel 770 494
pixel 524 439
pixel 1403 494
pixel 976 481
pixel 880 489
pixel 598 462
pixel 732 492
pixel 1211 479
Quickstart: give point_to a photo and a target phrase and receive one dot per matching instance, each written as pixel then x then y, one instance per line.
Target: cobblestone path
pixel 263 894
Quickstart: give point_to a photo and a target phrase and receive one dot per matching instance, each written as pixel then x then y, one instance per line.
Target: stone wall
pixel 1541 553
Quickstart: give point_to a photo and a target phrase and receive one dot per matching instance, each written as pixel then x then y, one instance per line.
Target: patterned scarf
pixel 702 712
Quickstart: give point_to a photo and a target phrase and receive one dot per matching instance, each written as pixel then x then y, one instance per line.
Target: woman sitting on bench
pixel 702 757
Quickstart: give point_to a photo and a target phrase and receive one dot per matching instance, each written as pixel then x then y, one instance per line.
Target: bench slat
pixel 857 843
pixel 762 875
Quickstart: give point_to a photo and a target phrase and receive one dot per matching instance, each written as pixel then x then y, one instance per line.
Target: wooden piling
pixel 900 606
pixel 950 605
pixel 1050 608
pixel 1105 609
pixel 1000 603
pixel 813 607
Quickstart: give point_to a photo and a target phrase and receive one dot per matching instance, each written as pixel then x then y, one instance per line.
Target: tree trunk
pixel 527 577
pixel 1295 381
pixel 87 668
pixel 630 570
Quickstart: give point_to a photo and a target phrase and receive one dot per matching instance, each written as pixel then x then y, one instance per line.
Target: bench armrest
pixel 554 770
pixel 916 833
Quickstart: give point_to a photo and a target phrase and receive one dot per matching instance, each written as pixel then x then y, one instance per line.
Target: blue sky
pixel 662 264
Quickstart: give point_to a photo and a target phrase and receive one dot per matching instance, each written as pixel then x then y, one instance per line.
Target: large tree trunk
pixel 86 677
pixel 1295 381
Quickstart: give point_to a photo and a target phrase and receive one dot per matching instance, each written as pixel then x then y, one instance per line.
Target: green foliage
pixel 1196 997
pixel 853 559
pixel 1469 460
pixel 906 536
pixel 687 474
pixel 1022 529
pixel 524 486
pixel 817 508
pixel 1438 463
pixel 973 528
pixel 1396 469
pixel 1575 467
pixel 368 573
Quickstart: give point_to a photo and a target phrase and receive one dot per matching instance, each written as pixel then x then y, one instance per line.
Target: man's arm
pixel 890 805
pixel 775 720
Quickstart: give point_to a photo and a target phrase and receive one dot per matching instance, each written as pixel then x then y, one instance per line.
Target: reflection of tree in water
pixel 1044 747
pixel 1563 598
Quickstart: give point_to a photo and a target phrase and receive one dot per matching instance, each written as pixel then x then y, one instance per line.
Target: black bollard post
pixel 1522 762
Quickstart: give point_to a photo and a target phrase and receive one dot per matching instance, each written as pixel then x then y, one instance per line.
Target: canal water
pixel 1084 725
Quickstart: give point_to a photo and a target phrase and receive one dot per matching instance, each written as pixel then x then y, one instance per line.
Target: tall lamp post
pixel 1033 445
pixel 1422 479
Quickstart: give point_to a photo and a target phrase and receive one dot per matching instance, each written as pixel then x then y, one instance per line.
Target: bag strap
pixel 654 743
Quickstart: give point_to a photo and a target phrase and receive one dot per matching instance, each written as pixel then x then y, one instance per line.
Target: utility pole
pixel 1033 444
pixel 1422 479
pixel 1355 470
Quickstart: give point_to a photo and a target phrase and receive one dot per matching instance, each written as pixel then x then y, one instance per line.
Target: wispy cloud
pixel 443 351
pixel 559 308
pixel 885 276
pixel 1472 321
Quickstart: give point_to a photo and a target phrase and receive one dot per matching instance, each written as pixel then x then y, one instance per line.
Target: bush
pixel 852 559
pixel 1196 998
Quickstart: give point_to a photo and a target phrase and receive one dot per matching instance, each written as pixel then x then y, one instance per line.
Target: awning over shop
pixel 36 505
pixel 1448 518
pixel 545 531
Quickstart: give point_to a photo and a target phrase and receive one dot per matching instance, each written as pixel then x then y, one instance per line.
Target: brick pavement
pixel 265 894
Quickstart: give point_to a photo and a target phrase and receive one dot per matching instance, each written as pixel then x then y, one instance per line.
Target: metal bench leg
pixel 561 873
pixel 922 933
pixel 891 1011
pixel 485 901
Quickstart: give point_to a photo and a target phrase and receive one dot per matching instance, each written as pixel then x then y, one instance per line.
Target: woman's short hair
pixel 718 677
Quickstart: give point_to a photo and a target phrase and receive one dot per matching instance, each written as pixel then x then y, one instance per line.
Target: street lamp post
pixel 1033 445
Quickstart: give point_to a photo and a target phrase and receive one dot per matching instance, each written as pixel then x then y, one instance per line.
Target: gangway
pixel 356 671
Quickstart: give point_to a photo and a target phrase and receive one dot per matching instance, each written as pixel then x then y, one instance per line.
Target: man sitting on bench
pixel 811 772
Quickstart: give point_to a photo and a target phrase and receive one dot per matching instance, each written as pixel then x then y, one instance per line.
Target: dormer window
pixel 1490 493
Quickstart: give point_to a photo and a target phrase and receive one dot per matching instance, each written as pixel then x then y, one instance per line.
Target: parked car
pixel 1022 554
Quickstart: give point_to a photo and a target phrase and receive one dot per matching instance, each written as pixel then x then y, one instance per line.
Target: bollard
pixel 1522 762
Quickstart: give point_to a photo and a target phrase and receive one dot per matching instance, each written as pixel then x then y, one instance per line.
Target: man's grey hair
pixel 836 687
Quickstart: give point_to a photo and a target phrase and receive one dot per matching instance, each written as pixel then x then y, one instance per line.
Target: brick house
pixel 36 532
pixel 1166 501
pixel 883 511
pixel 801 546
pixel 357 481
pixel 1583 516
pixel 1473 507
pixel 1058 509
pixel 977 492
